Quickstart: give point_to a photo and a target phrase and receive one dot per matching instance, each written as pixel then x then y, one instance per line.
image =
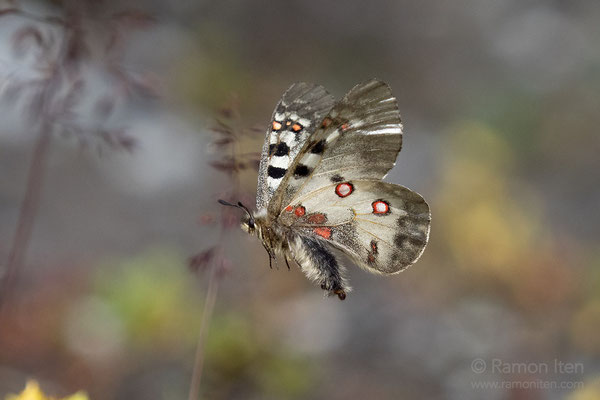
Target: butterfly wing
pixel 358 139
pixel 383 227
pixel 336 183
pixel 295 118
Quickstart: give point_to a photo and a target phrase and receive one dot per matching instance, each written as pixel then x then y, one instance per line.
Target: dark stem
pixel 27 213
pixel 209 305
pixel 216 271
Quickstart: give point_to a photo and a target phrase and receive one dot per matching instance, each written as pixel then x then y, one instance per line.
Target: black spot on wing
pixel 282 149
pixel 318 147
pixel 337 178
pixel 412 222
pixel 402 240
pixel 275 172
pixel 408 248
pixel 301 170
pixel 272 148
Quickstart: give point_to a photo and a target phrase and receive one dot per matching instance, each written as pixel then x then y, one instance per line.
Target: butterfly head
pixel 248 222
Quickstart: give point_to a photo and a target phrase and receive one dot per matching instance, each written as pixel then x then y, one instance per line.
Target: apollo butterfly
pixel 320 186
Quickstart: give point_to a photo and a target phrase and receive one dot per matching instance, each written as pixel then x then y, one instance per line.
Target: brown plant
pixel 228 131
pixel 59 52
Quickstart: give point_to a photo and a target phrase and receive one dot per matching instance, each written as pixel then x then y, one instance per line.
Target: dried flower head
pixel 68 73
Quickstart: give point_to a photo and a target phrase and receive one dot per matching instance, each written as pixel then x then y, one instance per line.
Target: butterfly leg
pixel 320 265
pixel 286 250
pixel 286 261
pixel 270 255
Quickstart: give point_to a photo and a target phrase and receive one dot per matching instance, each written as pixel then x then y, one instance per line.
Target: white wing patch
pixel 302 106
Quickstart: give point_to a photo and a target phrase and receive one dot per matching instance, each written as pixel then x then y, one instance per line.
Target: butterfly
pixel 320 187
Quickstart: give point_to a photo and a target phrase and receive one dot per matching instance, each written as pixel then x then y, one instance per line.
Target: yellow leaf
pixel 591 391
pixel 32 391
pixel 77 396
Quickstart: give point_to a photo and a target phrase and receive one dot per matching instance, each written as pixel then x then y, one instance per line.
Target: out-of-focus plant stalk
pixel 28 210
pixel 54 95
pixel 228 132
pixel 209 306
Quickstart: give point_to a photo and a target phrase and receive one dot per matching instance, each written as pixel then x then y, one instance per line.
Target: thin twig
pixel 49 108
pixel 216 267
pixel 209 305
pixel 33 17
pixel 27 213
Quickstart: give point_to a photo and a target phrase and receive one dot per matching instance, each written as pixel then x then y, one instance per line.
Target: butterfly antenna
pixel 226 203
pixel 243 207
pixel 238 205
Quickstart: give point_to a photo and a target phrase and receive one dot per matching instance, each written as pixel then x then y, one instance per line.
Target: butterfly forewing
pixel 295 118
pixel 358 139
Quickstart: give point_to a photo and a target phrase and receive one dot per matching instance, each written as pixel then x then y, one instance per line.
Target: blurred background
pixel 141 114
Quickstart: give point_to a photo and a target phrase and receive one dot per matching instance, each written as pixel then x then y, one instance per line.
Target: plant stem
pixel 209 305
pixel 27 214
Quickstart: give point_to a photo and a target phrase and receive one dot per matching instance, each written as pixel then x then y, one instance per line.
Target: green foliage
pixel 154 295
pixel 231 345
pixel 160 308
pixel 287 377
pixel 235 353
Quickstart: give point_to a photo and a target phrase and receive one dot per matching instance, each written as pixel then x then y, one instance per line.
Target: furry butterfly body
pixel 320 189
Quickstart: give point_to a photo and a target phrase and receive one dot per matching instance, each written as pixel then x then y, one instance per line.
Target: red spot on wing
pixel 344 127
pixel 380 207
pixel 371 254
pixel 317 218
pixel 289 208
pixel 326 123
pixel 370 258
pixel 374 246
pixel 296 127
pixel 276 125
pixel 344 189
pixel 323 232
pixel 300 211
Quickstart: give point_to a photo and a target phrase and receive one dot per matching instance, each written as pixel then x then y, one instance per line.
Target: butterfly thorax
pixel 272 235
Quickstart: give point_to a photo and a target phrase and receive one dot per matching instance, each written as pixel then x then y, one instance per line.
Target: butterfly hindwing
pixel 383 227
pixel 295 118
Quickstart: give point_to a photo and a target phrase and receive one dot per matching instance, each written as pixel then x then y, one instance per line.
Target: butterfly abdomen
pixel 319 264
